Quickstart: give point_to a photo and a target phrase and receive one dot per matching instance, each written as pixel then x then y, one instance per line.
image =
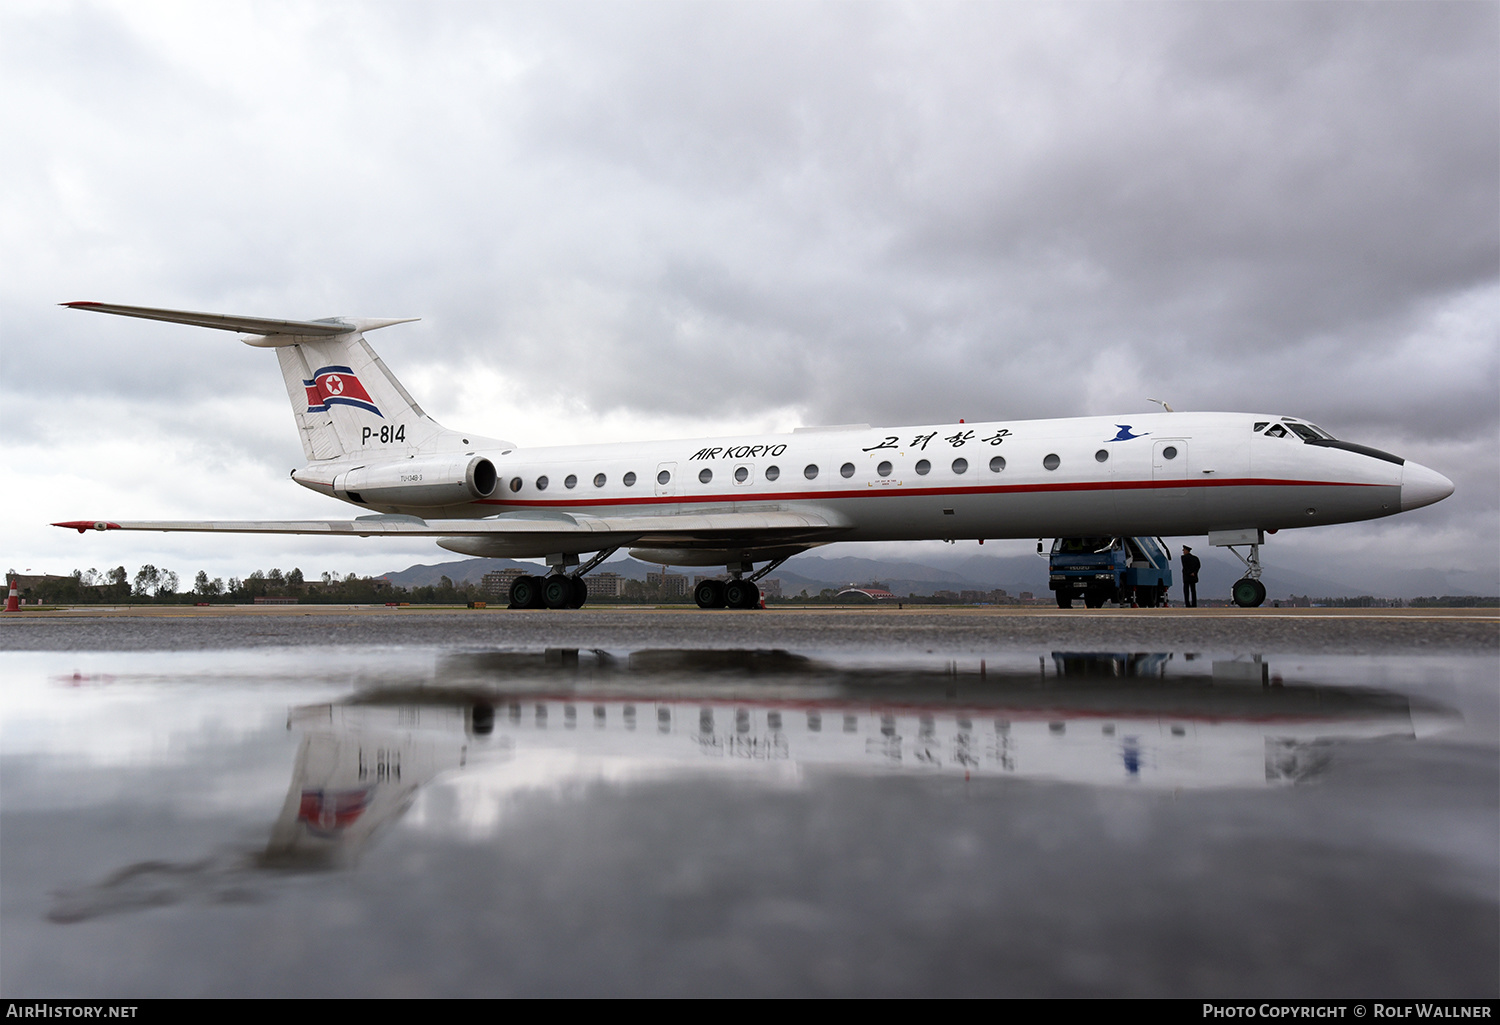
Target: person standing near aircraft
pixel 1190 567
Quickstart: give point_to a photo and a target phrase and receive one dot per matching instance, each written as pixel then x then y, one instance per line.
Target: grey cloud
pixel 873 212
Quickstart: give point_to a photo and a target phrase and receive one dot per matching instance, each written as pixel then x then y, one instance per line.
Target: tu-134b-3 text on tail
pixel 735 502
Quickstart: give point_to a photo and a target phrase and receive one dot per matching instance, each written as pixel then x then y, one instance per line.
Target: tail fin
pixel 345 400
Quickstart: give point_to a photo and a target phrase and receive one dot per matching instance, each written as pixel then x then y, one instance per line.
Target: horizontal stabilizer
pixel 244 325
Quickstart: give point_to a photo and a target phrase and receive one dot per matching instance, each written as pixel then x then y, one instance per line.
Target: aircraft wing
pixel 575 532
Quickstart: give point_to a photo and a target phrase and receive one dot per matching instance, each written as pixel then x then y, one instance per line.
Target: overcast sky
pixel 632 220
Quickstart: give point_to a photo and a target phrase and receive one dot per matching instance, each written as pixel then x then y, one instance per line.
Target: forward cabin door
pixel 1178 501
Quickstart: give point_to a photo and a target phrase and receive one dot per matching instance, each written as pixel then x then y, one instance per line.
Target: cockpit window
pixel 1304 432
pixel 1276 431
pixel 1260 425
pixel 1322 433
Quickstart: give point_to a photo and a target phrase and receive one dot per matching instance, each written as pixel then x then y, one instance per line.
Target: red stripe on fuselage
pixel 891 492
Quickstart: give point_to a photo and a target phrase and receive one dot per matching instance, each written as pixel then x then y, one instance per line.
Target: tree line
pixel 154 585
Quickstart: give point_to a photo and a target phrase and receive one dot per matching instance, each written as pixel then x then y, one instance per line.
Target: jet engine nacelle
pixel 433 480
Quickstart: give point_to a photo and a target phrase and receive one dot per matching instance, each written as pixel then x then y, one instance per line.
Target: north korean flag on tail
pixel 337 386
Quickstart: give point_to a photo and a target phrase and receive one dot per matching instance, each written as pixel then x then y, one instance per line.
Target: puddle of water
pixel 472 822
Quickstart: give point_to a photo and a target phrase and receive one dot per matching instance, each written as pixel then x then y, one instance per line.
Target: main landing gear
pixel 738 592
pixel 558 590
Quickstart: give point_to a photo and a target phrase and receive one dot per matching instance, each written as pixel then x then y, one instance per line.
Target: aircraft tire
pixel 709 594
pixel 556 591
pixel 580 593
pixel 1248 594
pixel 741 594
pixel 1064 599
pixel 526 593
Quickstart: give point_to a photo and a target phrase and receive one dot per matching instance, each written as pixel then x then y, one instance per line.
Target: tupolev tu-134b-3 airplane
pixel 739 501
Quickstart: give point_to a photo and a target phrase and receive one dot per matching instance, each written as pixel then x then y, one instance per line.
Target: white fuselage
pixel 1163 473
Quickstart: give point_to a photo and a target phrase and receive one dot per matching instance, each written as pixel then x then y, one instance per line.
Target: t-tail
pixel 348 406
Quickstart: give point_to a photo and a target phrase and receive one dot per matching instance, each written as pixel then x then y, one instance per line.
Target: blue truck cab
pixel 1128 570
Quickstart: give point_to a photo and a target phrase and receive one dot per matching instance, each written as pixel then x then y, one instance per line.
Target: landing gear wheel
pixel 580 593
pixel 526 593
pixel 556 591
pixel 709 594
pixel 741 594
pixel 1064 599
pixel 1248 593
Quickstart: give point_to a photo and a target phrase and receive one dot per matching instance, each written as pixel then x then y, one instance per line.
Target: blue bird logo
pixel 1125 434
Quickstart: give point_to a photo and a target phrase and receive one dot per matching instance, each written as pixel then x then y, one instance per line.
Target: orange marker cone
pixel 13 601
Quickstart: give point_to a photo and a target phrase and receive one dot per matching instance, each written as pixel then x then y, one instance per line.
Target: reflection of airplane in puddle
pixel 1103 719
pixel 1095 718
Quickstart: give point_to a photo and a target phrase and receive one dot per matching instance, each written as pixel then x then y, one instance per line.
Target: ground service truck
pixel 1128 570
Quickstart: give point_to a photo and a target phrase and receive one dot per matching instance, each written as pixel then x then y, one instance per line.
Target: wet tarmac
pixel 350 804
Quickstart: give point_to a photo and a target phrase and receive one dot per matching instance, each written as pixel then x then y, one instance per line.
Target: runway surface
pixel 315 801
pixel 172 627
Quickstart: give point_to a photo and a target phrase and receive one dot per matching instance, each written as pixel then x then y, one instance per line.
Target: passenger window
pixel 960 466
pixel 571 481
pixel 847 470
pixel 1101 456
pixel 599 480
pixel 922 467
pixel 515 483
pixel 705 475
pixel 883 470
pixel 629 479
pixel 773 472
pixel 997 464
pixel 1052 462
pixel 663 477
pixel 810 471
pixel 541 483
pixel 741 474
pixel 1170 452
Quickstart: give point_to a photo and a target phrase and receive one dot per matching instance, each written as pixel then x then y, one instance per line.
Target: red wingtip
pixel 82 525
pixel 83 302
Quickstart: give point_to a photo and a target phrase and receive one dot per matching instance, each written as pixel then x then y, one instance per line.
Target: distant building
pixel 673 585
pixel 606 585
pixel 866 591
pixel 771 588
pixel 497 584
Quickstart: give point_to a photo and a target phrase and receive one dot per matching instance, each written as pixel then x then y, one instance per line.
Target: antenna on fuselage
pixel 1162 404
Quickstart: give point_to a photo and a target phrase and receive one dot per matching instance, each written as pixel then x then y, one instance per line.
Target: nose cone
pixel 1421 486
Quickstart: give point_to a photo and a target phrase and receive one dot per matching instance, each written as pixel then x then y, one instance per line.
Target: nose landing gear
pixel 1248 592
